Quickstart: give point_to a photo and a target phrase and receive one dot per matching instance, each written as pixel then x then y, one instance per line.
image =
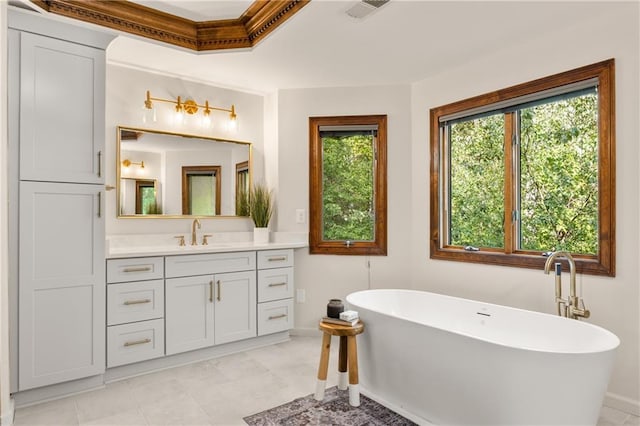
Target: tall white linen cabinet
pixel 57 225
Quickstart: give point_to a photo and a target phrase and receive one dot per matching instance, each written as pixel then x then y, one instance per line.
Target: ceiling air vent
pixel 365 7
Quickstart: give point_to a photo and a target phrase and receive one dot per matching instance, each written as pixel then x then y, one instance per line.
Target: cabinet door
pixel 62 283
pixel 235 306
pixel 62 98
pixel 189 313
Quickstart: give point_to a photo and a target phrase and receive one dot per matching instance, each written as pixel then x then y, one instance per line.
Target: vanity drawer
pixel 211 263
pixel 275 316
pixel 275 284
pixel 136 301
pixel 135 342
pixel 136 269
pixel 268 259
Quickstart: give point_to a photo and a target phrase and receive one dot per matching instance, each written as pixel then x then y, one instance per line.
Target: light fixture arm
pixel 189 106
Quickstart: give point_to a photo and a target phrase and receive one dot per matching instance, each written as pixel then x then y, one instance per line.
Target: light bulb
pixel 206 120
pixel 232 125
pixel 148 115
pixel 179 115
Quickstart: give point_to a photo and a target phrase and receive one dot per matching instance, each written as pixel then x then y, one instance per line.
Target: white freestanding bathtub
pixel 452 361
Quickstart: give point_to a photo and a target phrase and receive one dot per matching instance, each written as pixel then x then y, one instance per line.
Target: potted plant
pixel 260 210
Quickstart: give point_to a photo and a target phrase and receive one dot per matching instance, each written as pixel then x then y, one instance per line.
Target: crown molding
pixel 260 19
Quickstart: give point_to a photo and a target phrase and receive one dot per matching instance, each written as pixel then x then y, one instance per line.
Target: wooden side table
pixel 347 359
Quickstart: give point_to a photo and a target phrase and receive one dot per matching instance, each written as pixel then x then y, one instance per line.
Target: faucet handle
pixel 204 239
pixel 181 238
pixel 583 312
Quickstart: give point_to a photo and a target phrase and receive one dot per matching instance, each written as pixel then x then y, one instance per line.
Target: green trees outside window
pixel 556 201
pixel 347 182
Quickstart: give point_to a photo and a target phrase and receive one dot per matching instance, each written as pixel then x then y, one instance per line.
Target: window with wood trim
pixel 348 185
pixel 527 170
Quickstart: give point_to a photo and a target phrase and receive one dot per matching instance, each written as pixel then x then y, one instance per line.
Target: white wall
pixel 325 276
pixel 614 302
pixel 126 89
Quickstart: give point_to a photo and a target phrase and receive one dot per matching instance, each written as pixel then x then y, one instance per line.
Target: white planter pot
pixel 260 235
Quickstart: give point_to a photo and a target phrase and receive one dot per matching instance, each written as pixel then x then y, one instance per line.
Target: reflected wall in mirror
pixel 164 174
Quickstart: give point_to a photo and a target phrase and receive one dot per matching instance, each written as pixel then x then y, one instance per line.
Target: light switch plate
pixel 300 216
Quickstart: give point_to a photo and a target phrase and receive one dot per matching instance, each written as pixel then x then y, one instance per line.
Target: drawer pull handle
pixel 277 259
pixel 277 316
pixel 277 284
pixel 137 302
pixel 137 342
pixel 138 269
pixel 219 291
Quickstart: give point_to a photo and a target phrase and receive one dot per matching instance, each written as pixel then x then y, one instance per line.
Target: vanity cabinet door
pixel 62 283
pixel 189 305
pixel 62 98
pixel 235 306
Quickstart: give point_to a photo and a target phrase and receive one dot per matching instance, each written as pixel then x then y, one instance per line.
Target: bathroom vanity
pixel 160 306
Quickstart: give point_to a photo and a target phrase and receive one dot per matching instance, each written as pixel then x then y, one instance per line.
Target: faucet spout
pixel 194 240
pixel 572 269
pixel 573 309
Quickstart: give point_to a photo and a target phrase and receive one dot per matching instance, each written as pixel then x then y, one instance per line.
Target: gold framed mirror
pixel 174 175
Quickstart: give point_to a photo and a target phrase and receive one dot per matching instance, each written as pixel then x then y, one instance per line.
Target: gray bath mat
pixel 333 410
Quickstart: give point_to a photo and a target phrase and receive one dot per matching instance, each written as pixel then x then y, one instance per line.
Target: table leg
pixel 342 364
pixel 323 367
pixel 354 390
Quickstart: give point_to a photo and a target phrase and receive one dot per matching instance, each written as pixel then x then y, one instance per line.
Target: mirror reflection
pixel 176 175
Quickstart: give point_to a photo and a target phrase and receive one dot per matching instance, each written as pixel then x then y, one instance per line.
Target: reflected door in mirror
pixel 138 197
pixel 201 190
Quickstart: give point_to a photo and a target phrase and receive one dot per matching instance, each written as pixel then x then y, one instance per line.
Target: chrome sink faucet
pixel 571 306
pixel 194 240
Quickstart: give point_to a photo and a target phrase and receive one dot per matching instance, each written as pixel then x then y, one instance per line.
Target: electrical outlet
pixel 300 216
pixel 300 295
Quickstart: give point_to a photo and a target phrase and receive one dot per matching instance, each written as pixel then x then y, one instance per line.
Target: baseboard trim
pixel 6 419
pixel 57 391
pixel 622 403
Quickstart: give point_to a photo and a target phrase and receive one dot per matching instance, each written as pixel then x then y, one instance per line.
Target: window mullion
pixel 509 182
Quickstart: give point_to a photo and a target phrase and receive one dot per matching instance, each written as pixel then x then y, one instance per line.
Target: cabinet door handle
pixel 219 291
pixel 211 291
pixel 277 259
pixel 137 302
pixel 138 269
pixel 99 163
pixel 277 316
pixel 99 204
pixel 277 284
pixel 137 342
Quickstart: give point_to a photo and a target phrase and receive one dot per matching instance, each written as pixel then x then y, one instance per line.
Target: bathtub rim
pixel 612 337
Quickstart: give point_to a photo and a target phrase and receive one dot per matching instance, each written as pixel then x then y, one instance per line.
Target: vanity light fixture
pixel 127 163
pixel 189 107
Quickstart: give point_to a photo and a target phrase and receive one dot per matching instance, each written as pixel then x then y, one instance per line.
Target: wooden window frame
pixel 316 244
pixel 603 263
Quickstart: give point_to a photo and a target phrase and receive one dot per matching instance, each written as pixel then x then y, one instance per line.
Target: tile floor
pixel 216 392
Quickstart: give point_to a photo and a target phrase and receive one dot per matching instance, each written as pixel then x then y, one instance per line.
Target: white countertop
pixel 119 246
